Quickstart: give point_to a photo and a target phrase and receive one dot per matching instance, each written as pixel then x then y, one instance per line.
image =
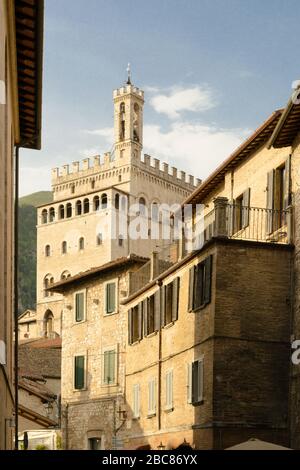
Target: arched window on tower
pixel 117 201
pixel 136 136
pixel 48 324
pixel 51 214
pixel 47 251
pixel 81 243
pixel 64 248
pixel 86 206
pixel 142 206
pixel 99 239
pixel 44 216
pixel 61 212
pixel 69 210
pixel 104 201
pixel 48 281
pixel 65 275
pixel 78 208
pixel 96 203
pixel 122 121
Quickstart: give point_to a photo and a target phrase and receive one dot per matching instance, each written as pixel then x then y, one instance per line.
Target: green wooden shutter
pixel 130 326
pixel 189 383
pixel 195 382
pixel 140 321
pixel 207 280
pixel 110 297
pixel 79 372
pixel 287 183
pixel 175 298
pixel 270 202
pixel 145 317
pixel 191 288
pixel 163 306
pixel 246 207
pixel 169 389
pixel 200 381
pixel 109 367
pixel 79 307
pixel 157 310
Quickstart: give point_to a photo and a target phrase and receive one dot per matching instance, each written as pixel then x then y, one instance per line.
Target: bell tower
pixel 128 120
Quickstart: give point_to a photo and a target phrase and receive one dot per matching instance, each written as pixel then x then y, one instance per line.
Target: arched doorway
pixel 48 324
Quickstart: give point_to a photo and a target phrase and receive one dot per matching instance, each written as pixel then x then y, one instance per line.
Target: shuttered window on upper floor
pixel 200 285
pixel 278 196
pixel 195 382
pixel 79 372
pixel 79 306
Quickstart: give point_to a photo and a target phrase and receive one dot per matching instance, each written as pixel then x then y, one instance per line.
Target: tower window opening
pixel 104 201
pixel 96 203
pixel 117 201
pixel 44 216
pixel 61 211
pixel 47 251
pixel 78 208
pixel 64 248
pixel 81 243
pixel 51 214
pixel 86 206
pixel 69 210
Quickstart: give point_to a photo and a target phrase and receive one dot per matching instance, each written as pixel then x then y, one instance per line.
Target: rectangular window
pixel 200 285
pixel 278 196
pixel 109 367
pixel 195 382
pixel 94 443
pixel 169 390
pixel 136 401
pixel 240 212
pixel 135 323
pixel 150 315
pixel 79 372
pixel 79 307
pixel 152 397
pixel 110 296
pixel 169 302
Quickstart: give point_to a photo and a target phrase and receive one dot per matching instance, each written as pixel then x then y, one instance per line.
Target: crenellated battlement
pixel 87 168
pixel 127 89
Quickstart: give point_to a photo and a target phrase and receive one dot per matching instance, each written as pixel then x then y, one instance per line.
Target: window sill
pixel 169 410
pixel 151 415
pixel 110 314
pixel 202 307
pixel 198 403
pixel 151 335
pixel 109 385
pixel 79 322
pixel 79 390
pixel 169 325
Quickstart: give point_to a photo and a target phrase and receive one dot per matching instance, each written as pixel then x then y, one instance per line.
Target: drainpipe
pixel 16 292
pixel 159 386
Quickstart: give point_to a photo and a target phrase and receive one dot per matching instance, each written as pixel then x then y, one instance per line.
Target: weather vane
pixel 129 74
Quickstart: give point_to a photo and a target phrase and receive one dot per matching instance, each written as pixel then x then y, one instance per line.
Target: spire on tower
pixel 128 74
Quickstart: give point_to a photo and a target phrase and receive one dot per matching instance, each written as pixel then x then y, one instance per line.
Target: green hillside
pixel 36 199
pixel 27 247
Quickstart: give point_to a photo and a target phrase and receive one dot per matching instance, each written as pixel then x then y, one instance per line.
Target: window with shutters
pixel 278 196
pixel 80 302
pixel 169 303
pixel 79 372
pixel 241 211
pixel 200 285
pixel 135 323
pixel 109 366
pixel 110 298
pixel 195 382
pixel 152 397
pixel 169 390
pixel 150 316
pixel 136 401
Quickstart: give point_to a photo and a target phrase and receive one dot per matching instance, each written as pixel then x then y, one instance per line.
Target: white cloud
pixel 195 148
pixel 178 99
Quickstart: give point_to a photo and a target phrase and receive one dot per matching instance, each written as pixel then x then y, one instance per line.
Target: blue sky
pixel 212 71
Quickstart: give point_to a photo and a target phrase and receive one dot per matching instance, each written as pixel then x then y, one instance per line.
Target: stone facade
pixel 88 201
pixel 27 325
pixel 242 336
pixel 96 410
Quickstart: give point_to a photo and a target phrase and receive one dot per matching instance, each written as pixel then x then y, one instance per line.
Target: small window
pixel 152 397
pixel 96 203
pixel 109 367
pixel 136 401
pixel 110 298
pixel 93 184
pixel 65 275
pixel 195 382
pixel 44 216
pixel 150 315
pixel 64 248
pixel 200 285
pixel 81 243
pixel 51 214
pixel 86 206
pixel 142 206
pixel 121 240
pixel 78 208
pixel 69 210
pixel 94 443
pixel 79 307
pixel 79 373
pixel 117 201
pixel 72 188
pixel 61 211
pixel 104 201
pixel 47 251
pixel 170 299
pixel 99 239
pixel 169 390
